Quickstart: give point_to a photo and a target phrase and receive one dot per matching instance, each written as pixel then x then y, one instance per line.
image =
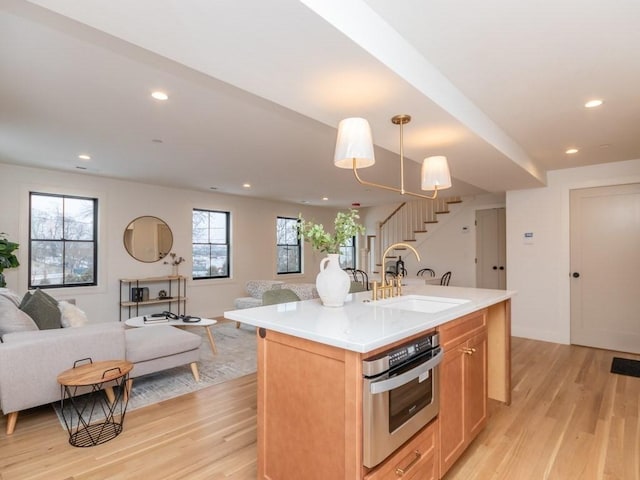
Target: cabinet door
pixel 452 429
pixel 475 391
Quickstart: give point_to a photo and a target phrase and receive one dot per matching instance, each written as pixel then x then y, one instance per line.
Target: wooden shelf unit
pixel 170 283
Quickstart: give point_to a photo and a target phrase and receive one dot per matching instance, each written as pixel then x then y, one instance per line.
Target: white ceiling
pixel 257 88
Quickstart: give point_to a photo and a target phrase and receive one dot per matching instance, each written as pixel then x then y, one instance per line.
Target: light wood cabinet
pixel 309 410
pixel 416 460
pixel 463 385
pixel 310 403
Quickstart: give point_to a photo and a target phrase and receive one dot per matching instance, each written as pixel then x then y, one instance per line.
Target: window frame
pixel 353 249
pixel 227 244
pixel 63 241
pixel 297 246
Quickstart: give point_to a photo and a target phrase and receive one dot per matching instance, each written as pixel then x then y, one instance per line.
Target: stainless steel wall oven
pixel 400 396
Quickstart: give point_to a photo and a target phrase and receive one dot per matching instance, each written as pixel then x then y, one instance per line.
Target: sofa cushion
pixel 247 302
pixel 12 319
pixel 43 309
pixel 147 343
pixel 306 291
pixel 255 288
pixel 70 315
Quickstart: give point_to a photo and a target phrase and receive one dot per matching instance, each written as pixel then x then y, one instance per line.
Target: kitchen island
pixel 310 379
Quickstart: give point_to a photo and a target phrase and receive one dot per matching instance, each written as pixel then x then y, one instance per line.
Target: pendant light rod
pixel 392 189
pixel 401 120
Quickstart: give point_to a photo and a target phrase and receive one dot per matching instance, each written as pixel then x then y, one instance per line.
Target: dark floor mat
pixel 625 366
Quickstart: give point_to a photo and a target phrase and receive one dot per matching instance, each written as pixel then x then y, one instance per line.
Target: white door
pixel 605 267
pixel 491 258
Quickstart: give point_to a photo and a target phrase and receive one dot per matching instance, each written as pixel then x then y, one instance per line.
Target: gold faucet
pixel 396 285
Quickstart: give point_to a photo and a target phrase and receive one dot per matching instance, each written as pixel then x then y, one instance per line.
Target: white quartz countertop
pixel 361 325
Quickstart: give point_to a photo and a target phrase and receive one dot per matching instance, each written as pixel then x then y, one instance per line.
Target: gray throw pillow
pixel 25 299
pixel 43 309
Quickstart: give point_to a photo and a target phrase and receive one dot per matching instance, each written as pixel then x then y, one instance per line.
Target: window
pixel 289 249
pixel 210 237
pixel 63 248
pixel 348 254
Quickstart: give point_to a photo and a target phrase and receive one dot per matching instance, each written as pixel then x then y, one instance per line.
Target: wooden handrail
pixel 392 214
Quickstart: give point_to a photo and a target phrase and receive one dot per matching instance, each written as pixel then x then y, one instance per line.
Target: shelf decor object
pixel 354 149
pixel 133 296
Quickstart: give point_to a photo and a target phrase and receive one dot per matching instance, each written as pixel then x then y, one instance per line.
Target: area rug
pixel 236 357
pixel 625 366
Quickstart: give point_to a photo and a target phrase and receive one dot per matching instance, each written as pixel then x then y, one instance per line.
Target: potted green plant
pixel 7 258
pixel 345 227
pixel 332 282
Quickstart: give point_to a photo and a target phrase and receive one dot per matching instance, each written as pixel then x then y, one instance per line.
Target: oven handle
pixel 402 379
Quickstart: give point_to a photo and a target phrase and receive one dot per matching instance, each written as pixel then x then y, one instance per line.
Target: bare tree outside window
pixel 289 245
pixel 210 237
pixel 62 241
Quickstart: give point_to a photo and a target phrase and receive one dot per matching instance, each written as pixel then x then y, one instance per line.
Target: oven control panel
pixel 407 352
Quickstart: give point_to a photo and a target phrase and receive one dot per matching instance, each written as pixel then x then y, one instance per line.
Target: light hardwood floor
pixel 570 419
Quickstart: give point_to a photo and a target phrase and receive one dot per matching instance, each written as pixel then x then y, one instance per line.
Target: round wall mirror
pixel 148 239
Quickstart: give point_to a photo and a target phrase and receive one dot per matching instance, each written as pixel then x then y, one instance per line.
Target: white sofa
pixel 31 359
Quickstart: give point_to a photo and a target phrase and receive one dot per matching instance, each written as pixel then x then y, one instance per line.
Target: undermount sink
pixel 420 303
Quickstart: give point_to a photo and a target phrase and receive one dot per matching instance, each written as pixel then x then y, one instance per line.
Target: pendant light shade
pixel 435 173
pixel 354 143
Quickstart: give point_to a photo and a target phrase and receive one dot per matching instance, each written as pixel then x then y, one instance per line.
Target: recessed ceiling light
pixel 325 199
pixel 84 156
pixel 571 151
pixel 246 185
pixel 158 95
pixel 156 140
pixel 593 103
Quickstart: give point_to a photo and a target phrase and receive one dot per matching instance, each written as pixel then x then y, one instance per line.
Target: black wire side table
pixel 94 400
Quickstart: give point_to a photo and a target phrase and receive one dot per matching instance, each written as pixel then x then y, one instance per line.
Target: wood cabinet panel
pixel 325 431
pixel 463 385
pixel 452 425
pixel 416 460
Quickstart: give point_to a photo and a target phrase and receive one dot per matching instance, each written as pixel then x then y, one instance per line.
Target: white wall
pixel 447 246
pixel 539 272
pixel 119 202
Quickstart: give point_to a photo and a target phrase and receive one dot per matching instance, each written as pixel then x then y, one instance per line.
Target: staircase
pixel 402 225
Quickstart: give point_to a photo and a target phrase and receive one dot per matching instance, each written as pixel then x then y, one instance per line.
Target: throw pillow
pixel 25 299
pixel 71 316
pixel 42 309
pixel 11 295
pixel 12 319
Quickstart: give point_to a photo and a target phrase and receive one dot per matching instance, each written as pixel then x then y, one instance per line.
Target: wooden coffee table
pixel 204 323
pixel 82 407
